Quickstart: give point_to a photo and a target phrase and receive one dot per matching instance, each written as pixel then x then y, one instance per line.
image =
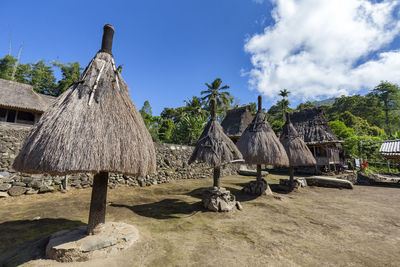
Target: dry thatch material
pixel 236 121
pixel 313 127
pixel 259 144
pixel 21 96
pixel 297 151
pixel 93 127
pixel 214 147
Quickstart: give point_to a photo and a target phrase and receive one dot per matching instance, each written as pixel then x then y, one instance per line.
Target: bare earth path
pixel 311 227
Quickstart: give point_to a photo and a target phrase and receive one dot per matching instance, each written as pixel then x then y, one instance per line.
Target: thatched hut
pixel 216 149
pixel 236 122
pixel 94 127
pixel 259 145
pixel 313 128
pixel 297 151
pixel 20 104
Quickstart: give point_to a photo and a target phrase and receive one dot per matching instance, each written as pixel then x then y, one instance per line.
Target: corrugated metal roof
pixel 390 149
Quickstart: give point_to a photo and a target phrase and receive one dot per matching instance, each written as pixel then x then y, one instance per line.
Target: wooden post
pixel 217 173
pixel 316 163
pixel 327 156
pixel 291 173
pixel 258 172
pixel 97 212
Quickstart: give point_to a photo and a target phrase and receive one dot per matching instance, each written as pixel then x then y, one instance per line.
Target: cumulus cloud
pixel 324 48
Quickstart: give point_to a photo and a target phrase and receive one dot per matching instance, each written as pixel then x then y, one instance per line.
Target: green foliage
pixel 189 129
pixel 360 126
pixel 277 125
pixel 71 73
pixel 305 105
pixel 40 75
pixel 216 91
pixel 341 130
pixel 166 130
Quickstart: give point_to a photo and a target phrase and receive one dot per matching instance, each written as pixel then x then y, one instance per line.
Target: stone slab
pixel 246 172
pixel 76 245
pixel 328 182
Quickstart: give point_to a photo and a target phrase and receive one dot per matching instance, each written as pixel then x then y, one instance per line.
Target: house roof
pixel 236 121
pixel 390 149
pixel 22 97
pixel 312 126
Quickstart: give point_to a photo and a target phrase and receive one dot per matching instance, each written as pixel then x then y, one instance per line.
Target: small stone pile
pixel 219 199
pixel 297 183
pixel 257 188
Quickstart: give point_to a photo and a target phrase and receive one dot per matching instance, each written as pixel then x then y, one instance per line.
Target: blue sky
pixel 169 49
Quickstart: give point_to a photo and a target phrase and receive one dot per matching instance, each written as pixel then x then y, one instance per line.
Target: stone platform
pixel 219 199
pixel 257 188
pixel 75 245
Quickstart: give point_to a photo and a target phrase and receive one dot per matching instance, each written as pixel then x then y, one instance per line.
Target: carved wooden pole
pixel 97 213
pixel 217 170
pixel 259 165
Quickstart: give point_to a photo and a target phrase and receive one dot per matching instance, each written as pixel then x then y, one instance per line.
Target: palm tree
pixel 284 94
pixel 195 106
pixel 223 99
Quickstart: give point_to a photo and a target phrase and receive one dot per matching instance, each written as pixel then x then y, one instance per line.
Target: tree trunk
pixel 387 119
pixel 259 172
pixel 217 173
pixel 291 173
pixel 97 212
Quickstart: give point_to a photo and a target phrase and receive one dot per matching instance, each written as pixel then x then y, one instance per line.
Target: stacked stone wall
pixel 171 165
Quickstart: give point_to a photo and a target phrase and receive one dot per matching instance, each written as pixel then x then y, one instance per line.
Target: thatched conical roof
pixel 213 146
pixel 236 121
pixel 93 127
pixel 297 151
pixel 312 126
pixel 259 144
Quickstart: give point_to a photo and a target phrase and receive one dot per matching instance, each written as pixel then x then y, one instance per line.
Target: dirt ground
pixel 310 227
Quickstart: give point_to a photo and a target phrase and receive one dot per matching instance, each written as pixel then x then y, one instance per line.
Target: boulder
pixel 5 187
pixel 219 200
pixel 17 191
pixel 257 188
pixel 329 182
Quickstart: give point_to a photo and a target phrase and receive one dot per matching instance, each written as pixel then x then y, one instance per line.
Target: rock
pixel 31 191
pixel 257 188
pixel 239 206
pixel 17 191
pixel 5 187
pixel 3 194
pixel 246 172
pixel 46 189
pixel 4 174
pixel 76 245
pixel 329 182
pixel 35 184
pixel 218 199
pixel 19 184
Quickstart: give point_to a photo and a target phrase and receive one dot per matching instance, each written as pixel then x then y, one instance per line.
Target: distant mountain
pixel 328 101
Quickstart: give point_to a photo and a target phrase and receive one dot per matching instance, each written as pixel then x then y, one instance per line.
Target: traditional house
pixel 236 121
pixel 390 149
pixel 20 104
pixel 313 127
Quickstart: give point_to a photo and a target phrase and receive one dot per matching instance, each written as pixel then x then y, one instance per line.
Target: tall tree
pixel 70 74
pixel 42 78
pixel 195 106
pixel 389 95
pixel 216 91
pixel 285 103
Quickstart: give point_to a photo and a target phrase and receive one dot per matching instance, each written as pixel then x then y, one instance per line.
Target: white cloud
pixel 315 46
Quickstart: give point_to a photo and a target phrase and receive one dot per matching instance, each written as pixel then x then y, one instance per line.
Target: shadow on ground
pixel 164 209
pixel 26 240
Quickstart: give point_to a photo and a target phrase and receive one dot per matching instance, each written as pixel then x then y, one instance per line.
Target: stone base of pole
pixel 258 188
pixel 219 199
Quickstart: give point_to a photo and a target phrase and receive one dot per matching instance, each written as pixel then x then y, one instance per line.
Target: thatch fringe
pixel 297 151
pixel 93 127
pixel 259 144
pixel 214 147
